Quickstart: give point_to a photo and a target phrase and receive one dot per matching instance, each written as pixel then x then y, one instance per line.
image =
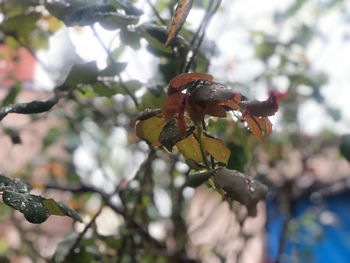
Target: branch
pixel 156 12
pixel 29 107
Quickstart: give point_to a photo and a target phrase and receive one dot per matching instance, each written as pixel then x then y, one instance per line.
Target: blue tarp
pixel 318 232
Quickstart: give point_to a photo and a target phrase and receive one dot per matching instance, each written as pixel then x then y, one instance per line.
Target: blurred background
pixel 297 47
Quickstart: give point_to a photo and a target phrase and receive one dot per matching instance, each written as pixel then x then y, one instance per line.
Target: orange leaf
pixel 186 78
pixel 182 10
pixel 150 129
pixel 260 127
pixel 232 103
pixel 216 148
pixel 171 105
pixel 189 147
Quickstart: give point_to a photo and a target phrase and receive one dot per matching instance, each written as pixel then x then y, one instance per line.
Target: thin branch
pixel 155 11
pixel 111 60
pixel 29 107
pixel 81 235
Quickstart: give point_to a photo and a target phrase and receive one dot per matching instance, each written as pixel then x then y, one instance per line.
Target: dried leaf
pixel 150 129
pixel 216 148
pixel 182 10
pixel 185 78
pixel 260 127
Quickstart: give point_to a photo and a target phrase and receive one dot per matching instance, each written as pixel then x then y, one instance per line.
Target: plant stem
pixel 201 147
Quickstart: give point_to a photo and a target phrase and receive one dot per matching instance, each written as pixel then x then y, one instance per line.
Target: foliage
pixel 184 114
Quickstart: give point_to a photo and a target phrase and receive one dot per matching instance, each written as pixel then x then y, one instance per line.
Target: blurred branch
pixel 29 107
pixel 81 235
pixel 200 33
pixel 111 59
pixel 155 11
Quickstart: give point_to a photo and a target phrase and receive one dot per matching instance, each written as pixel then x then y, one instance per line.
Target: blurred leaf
pixel 265 49
pixel 244 189
pixel 238 159
pixel 216 148
pixel 52 135
pixel 298 4
pixel 127 6
pixel 30 206
pixel 64 247
pixel 12 94
pixel 103 90
pixel 182 10
pixel 117 20
pixel 113 69
pixel 20 25
pixel 13 133
pixel 150 129
pixel 60 209
pixel 130 38
pixel 82 74
pixel 345 146
pixel 13 184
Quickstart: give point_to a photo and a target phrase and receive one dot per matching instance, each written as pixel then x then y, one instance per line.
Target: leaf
pixel 262 108
pixel 189 147
pixel 260 127
pixel 116 20
pixel 197 179
pixel 12 94
pixel 171 105
pixel 20 25
pixel 113 69
pixel 233 103
pixel 345 146
pixel 150 129
pixel 169 135
pixel 238 158
pixel 102 89
pixel 82 74
pixel 60 209
pixel 185 78
pixel 127 6
pixel 216 148
pixel 64 247
pixel 13 184
pixel 155 42
pixel 181 12
pixel 130 38
pixel 30 206
pixel 244 189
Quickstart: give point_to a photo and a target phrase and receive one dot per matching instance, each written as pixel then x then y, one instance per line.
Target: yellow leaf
pixel 150 129
pixel 216 148
pixel 189 147
pixel 182 10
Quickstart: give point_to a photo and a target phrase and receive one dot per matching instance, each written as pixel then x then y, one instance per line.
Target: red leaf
pixel 260 127
pixel 185 78
pixel 171 105
pixel 233 103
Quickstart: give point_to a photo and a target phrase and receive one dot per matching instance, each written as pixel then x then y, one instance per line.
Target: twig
pixel 110 58
pixel 155 11
pixel 29 107
pixel 81 235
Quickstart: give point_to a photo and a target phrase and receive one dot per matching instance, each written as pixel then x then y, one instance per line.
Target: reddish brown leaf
pixel 150 129
pixel 232 103
pixel 182 10
pixel 185 78
pixel 261 108
pixel 260 127
pixel 171 105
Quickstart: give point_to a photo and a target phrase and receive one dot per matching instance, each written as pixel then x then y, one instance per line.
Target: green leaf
pixel 12 94
pixel 64 247
pixel 52 135
pixel 117 20
pixel 60 209
pixel 130 38
pixel 238 158
pixel 13 184
pixel 20 25
pixel 30 206
pixel 113 69
pixel 82 74
pixel 345 146
pixel 127 6
pixel 103 90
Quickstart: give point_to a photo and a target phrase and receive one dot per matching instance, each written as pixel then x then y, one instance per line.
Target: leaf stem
pixel 201 147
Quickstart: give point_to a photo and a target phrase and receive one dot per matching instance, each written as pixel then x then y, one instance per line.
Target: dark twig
pixel 81 235
pixel 29 107
pixel 155 11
